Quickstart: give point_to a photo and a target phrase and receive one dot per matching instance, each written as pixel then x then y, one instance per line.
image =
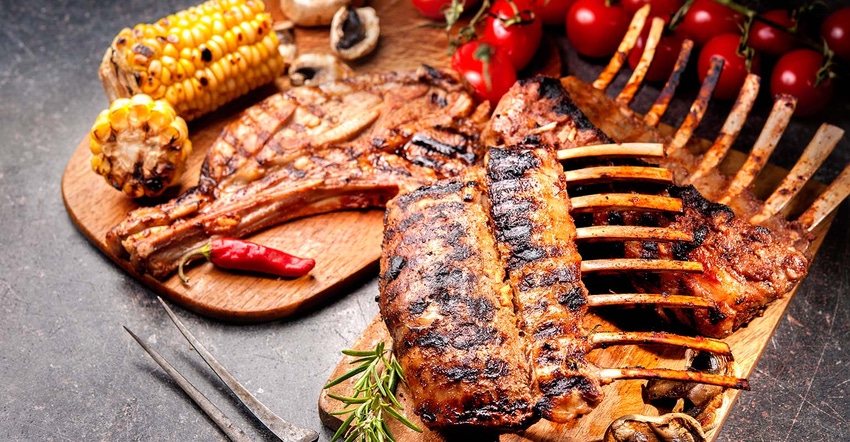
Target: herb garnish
pixel 374 396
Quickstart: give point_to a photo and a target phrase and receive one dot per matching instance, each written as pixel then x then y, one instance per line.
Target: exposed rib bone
pixel 632 299
pixel 650 265
pixel 630 233
pixel 821 145
pixel 626 45
pixel 730 130
pixel 628 93
pixel 625 201
pixel 604 339
pixel 827 201
pixel 617 173
pixel 612 374
pixel 698 108
pixel 770 134
pixel 653 117
pixel 613 151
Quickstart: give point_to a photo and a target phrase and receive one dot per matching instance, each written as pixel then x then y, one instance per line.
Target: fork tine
pixel 698 108
pixel 628 93
pixel 769 137
pixel 827 201
pixel 730 130
pixel 659 108
pixel 626 45
pixel 282 429
pixel 821 145
pixel 221 420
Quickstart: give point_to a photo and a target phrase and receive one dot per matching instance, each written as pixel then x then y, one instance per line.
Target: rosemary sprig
pixel 374 396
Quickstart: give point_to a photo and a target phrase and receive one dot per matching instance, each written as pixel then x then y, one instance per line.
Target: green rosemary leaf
pixel 348 399
pixel 350 373
pixel 394 413
pixel 359 353
pixel 342 428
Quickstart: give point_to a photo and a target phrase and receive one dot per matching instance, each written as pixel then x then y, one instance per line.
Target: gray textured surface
pixel 71 373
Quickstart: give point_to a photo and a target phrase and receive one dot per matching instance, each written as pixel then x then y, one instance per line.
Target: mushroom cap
pixel 354 32
pixel 314 12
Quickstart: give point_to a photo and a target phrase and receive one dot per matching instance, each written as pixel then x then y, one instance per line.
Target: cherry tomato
pixel 514 27
pixel 795 74
pixel 836 31
pixel 705 19
pixel 665 57
pixel 594 29
pixel 659 8
pixel 769 40
pixel 552 12
pixel 486 68
pixel 433 9
pixel 734 70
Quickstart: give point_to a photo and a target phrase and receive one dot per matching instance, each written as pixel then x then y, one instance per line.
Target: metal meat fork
pixel 279 427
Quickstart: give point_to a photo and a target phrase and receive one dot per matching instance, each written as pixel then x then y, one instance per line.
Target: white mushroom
pixel 313 69
pixel 314 12
pixel 354 32
pixel 286 41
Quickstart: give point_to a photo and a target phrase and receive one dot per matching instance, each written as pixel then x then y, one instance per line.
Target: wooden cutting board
pixel 346 245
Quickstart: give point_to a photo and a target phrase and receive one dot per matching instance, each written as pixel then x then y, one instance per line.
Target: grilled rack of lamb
pixel 481 291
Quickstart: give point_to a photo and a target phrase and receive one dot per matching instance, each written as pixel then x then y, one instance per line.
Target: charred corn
pixel 140 145
pixel 197 59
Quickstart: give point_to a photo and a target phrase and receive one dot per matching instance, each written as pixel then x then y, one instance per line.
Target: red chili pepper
pixel 237 254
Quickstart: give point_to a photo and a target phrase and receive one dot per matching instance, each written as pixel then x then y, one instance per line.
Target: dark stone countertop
pixel 71 373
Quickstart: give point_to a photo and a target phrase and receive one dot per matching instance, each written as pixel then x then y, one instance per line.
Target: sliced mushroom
pixel 313 69
pixel 671 427
pixel 286 41
pixel 354 32
pixel 314 12
pixel 698 400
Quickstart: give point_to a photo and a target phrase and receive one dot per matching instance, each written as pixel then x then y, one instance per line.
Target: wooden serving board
pixel 346 245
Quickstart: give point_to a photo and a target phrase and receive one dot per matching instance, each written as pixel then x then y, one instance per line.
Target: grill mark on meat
pixel 535 235
pixel 445 304
pixel 311 150
pixel 536 103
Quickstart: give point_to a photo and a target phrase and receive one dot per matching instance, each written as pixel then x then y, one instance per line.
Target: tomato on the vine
pixel 770 40
pixel 552 12
pixel 514 27
pixel 666 54
pixel 796 73
pixel 433 9
pixel 595 29
pixel 706 19
pixel 836 31
pixel 658 8
pixel 734 70
pixel 486 68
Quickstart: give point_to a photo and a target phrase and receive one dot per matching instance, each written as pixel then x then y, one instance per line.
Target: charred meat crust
pixel 540 106
pixel 746 266
pixel 535 234
pixel 442 300
pixel 349 144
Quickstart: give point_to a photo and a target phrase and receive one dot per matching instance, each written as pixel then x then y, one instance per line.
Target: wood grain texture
pixel 346 245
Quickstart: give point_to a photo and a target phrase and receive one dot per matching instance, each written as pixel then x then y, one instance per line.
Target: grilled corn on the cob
pixel 197 59
pixel 140 145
